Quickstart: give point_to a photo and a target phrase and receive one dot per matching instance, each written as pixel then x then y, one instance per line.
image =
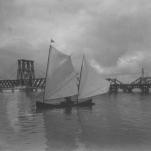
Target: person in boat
pixel 68 100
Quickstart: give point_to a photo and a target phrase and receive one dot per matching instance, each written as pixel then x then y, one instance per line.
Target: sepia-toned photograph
pixel 75 75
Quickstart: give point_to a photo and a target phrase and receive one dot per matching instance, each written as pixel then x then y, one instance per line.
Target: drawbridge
pixel 143 83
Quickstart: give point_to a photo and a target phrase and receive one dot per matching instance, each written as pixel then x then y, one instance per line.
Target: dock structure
pixel 143 83
pixel 25 78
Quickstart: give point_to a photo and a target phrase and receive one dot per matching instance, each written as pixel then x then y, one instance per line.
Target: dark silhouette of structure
pixel 25 77
pixel 143 83
pixel 25 69
pixel 25 72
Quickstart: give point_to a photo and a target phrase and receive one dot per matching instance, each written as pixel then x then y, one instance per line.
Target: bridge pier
pixel 145 89
pixel 35 90
pixel 113 89
pixel 12 90
pixel 127 90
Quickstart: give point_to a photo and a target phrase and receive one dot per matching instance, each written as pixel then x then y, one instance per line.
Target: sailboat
pixel 61 89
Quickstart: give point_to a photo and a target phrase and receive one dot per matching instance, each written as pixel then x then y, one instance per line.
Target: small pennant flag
pixel 52 41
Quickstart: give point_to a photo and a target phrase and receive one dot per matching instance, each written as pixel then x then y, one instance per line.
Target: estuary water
pixel 119 122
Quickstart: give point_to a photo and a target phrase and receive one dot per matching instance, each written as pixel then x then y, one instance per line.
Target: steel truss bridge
pixel 25 78
pixel 142 83
pixel 24 83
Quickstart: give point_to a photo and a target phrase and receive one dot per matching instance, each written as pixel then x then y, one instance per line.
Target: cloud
pixel 114 33
pixel 131 59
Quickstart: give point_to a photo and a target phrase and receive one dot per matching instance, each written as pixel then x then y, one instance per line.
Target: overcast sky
pixel 115 34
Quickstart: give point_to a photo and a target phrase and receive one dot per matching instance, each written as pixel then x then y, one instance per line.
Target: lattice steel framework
pixel 25 69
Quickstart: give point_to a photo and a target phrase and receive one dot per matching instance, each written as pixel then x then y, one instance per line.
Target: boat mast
pixel 50 48
pixel 80 78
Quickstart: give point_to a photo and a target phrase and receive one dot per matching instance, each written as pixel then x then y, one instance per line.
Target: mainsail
pixel 91 82
pixel 60 81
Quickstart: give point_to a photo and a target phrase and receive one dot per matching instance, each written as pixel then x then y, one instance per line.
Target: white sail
pixel 68 89
pixel 60 81
pixel 91 83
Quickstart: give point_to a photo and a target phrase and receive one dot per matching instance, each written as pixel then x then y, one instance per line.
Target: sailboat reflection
pixel 63 129
pixel 68 111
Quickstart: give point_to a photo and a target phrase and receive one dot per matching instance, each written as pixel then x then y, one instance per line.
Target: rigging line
pixel 50 48
pixel 80 78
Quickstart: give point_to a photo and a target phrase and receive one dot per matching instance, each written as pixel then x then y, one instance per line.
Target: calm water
pixel 116 123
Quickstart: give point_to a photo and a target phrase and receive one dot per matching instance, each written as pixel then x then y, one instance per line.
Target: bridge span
pixel 26 78
pixel 24 83
pixel 142 83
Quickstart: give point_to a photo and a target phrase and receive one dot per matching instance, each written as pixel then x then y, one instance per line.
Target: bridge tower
pixel 25 71
pixel 144 86
pixel 142 78
pixel 142 75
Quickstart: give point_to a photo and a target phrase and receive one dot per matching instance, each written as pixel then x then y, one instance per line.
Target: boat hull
pixel 41 105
